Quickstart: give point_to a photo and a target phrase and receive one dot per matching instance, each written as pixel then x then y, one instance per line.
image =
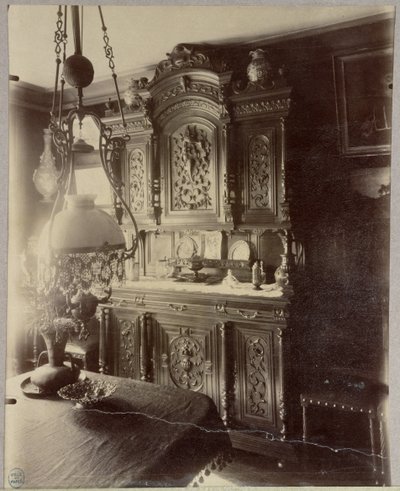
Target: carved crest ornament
pixel 181 57
pixel 187 363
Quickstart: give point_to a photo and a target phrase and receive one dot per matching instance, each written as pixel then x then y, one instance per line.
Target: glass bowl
pixel 87 393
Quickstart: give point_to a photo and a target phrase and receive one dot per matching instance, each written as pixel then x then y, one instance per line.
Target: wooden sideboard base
pixel 275 449
pixel 235 349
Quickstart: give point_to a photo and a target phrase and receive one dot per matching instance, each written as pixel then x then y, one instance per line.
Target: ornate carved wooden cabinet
pixel 205 175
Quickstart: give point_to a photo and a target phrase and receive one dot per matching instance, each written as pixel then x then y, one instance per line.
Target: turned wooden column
pixel 283 410
pixel 227 372
pixel 145 347
pixel 104 340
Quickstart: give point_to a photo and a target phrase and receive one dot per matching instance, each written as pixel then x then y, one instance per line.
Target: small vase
pixel 54 375
pixel 282 272
pixel 257 275
pixel 46 175
pixel 55 347
pixel 258 70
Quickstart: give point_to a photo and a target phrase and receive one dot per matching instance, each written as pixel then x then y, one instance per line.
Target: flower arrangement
pixel 61 327
pixel 52 316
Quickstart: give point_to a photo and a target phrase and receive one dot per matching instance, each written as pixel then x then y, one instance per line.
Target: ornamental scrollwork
pixel 285 211
pixel 186 85
pixel 257 376
pixel 280 314
pixel 282 415
pixel 128 349
pixel 190 104
pixel 259 171
pixel 187 365
pixel 132 126
pixel 181 57
pixel 262 106
pixel 136 180
pixel 191 168
pixel 205 89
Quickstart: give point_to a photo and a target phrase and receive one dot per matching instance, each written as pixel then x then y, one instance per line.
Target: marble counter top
pixel 240 289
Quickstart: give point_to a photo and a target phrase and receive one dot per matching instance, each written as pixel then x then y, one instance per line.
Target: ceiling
pixel 141 35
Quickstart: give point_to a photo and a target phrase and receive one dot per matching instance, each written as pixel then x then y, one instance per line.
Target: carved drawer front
pixel 128 347
pixel 187 357
pixel 256 376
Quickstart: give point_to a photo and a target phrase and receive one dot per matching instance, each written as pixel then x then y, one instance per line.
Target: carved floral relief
pixel 128 357
pixel 259 172
pixel 191 168
pixel 186 363
pixel 256 376
pixel 136 180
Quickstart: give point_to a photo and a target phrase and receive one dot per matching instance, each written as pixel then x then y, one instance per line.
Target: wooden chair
pixel 86 352
pixel 363 398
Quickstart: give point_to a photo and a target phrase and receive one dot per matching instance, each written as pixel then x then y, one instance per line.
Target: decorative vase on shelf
pixel 54 374
pixel 46 175
pixel 259 69
pixel 257 275
pixel 282 272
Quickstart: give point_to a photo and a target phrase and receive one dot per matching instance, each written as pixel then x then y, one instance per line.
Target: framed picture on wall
pixel 364 87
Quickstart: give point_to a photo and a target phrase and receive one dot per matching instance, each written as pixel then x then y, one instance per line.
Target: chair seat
pixel 86 350
pixel 82 347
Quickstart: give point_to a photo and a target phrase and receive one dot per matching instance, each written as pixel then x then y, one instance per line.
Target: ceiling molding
pixel 30 96
pixel 314 31
pixel 103 89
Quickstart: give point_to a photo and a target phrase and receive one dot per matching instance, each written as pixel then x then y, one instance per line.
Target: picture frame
pixel 363 88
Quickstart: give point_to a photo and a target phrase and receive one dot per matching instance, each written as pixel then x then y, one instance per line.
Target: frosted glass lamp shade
pixel 86 250
pixel 82 227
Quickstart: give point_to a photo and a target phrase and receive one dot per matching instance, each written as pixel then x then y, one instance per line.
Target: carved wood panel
pixel 192 172
pixel 187 354
pixel 259 171
pixel 128 347
pixel 186 366
pixel 137 179
pixel 257 373
pixel 260 158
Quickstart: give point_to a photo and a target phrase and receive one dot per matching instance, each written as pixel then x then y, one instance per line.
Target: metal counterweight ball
pixel 78 71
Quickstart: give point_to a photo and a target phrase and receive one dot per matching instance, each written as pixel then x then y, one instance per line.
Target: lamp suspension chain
pixel 110 57
pixel 62 79
pixel 82 28
pixel 58 39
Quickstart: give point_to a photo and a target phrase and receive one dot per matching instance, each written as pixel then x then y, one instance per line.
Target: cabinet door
pixel 126 344
pixel 138 176
pixel 257 376
pixel 259 147
pixel 187 355
pixel 190 175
